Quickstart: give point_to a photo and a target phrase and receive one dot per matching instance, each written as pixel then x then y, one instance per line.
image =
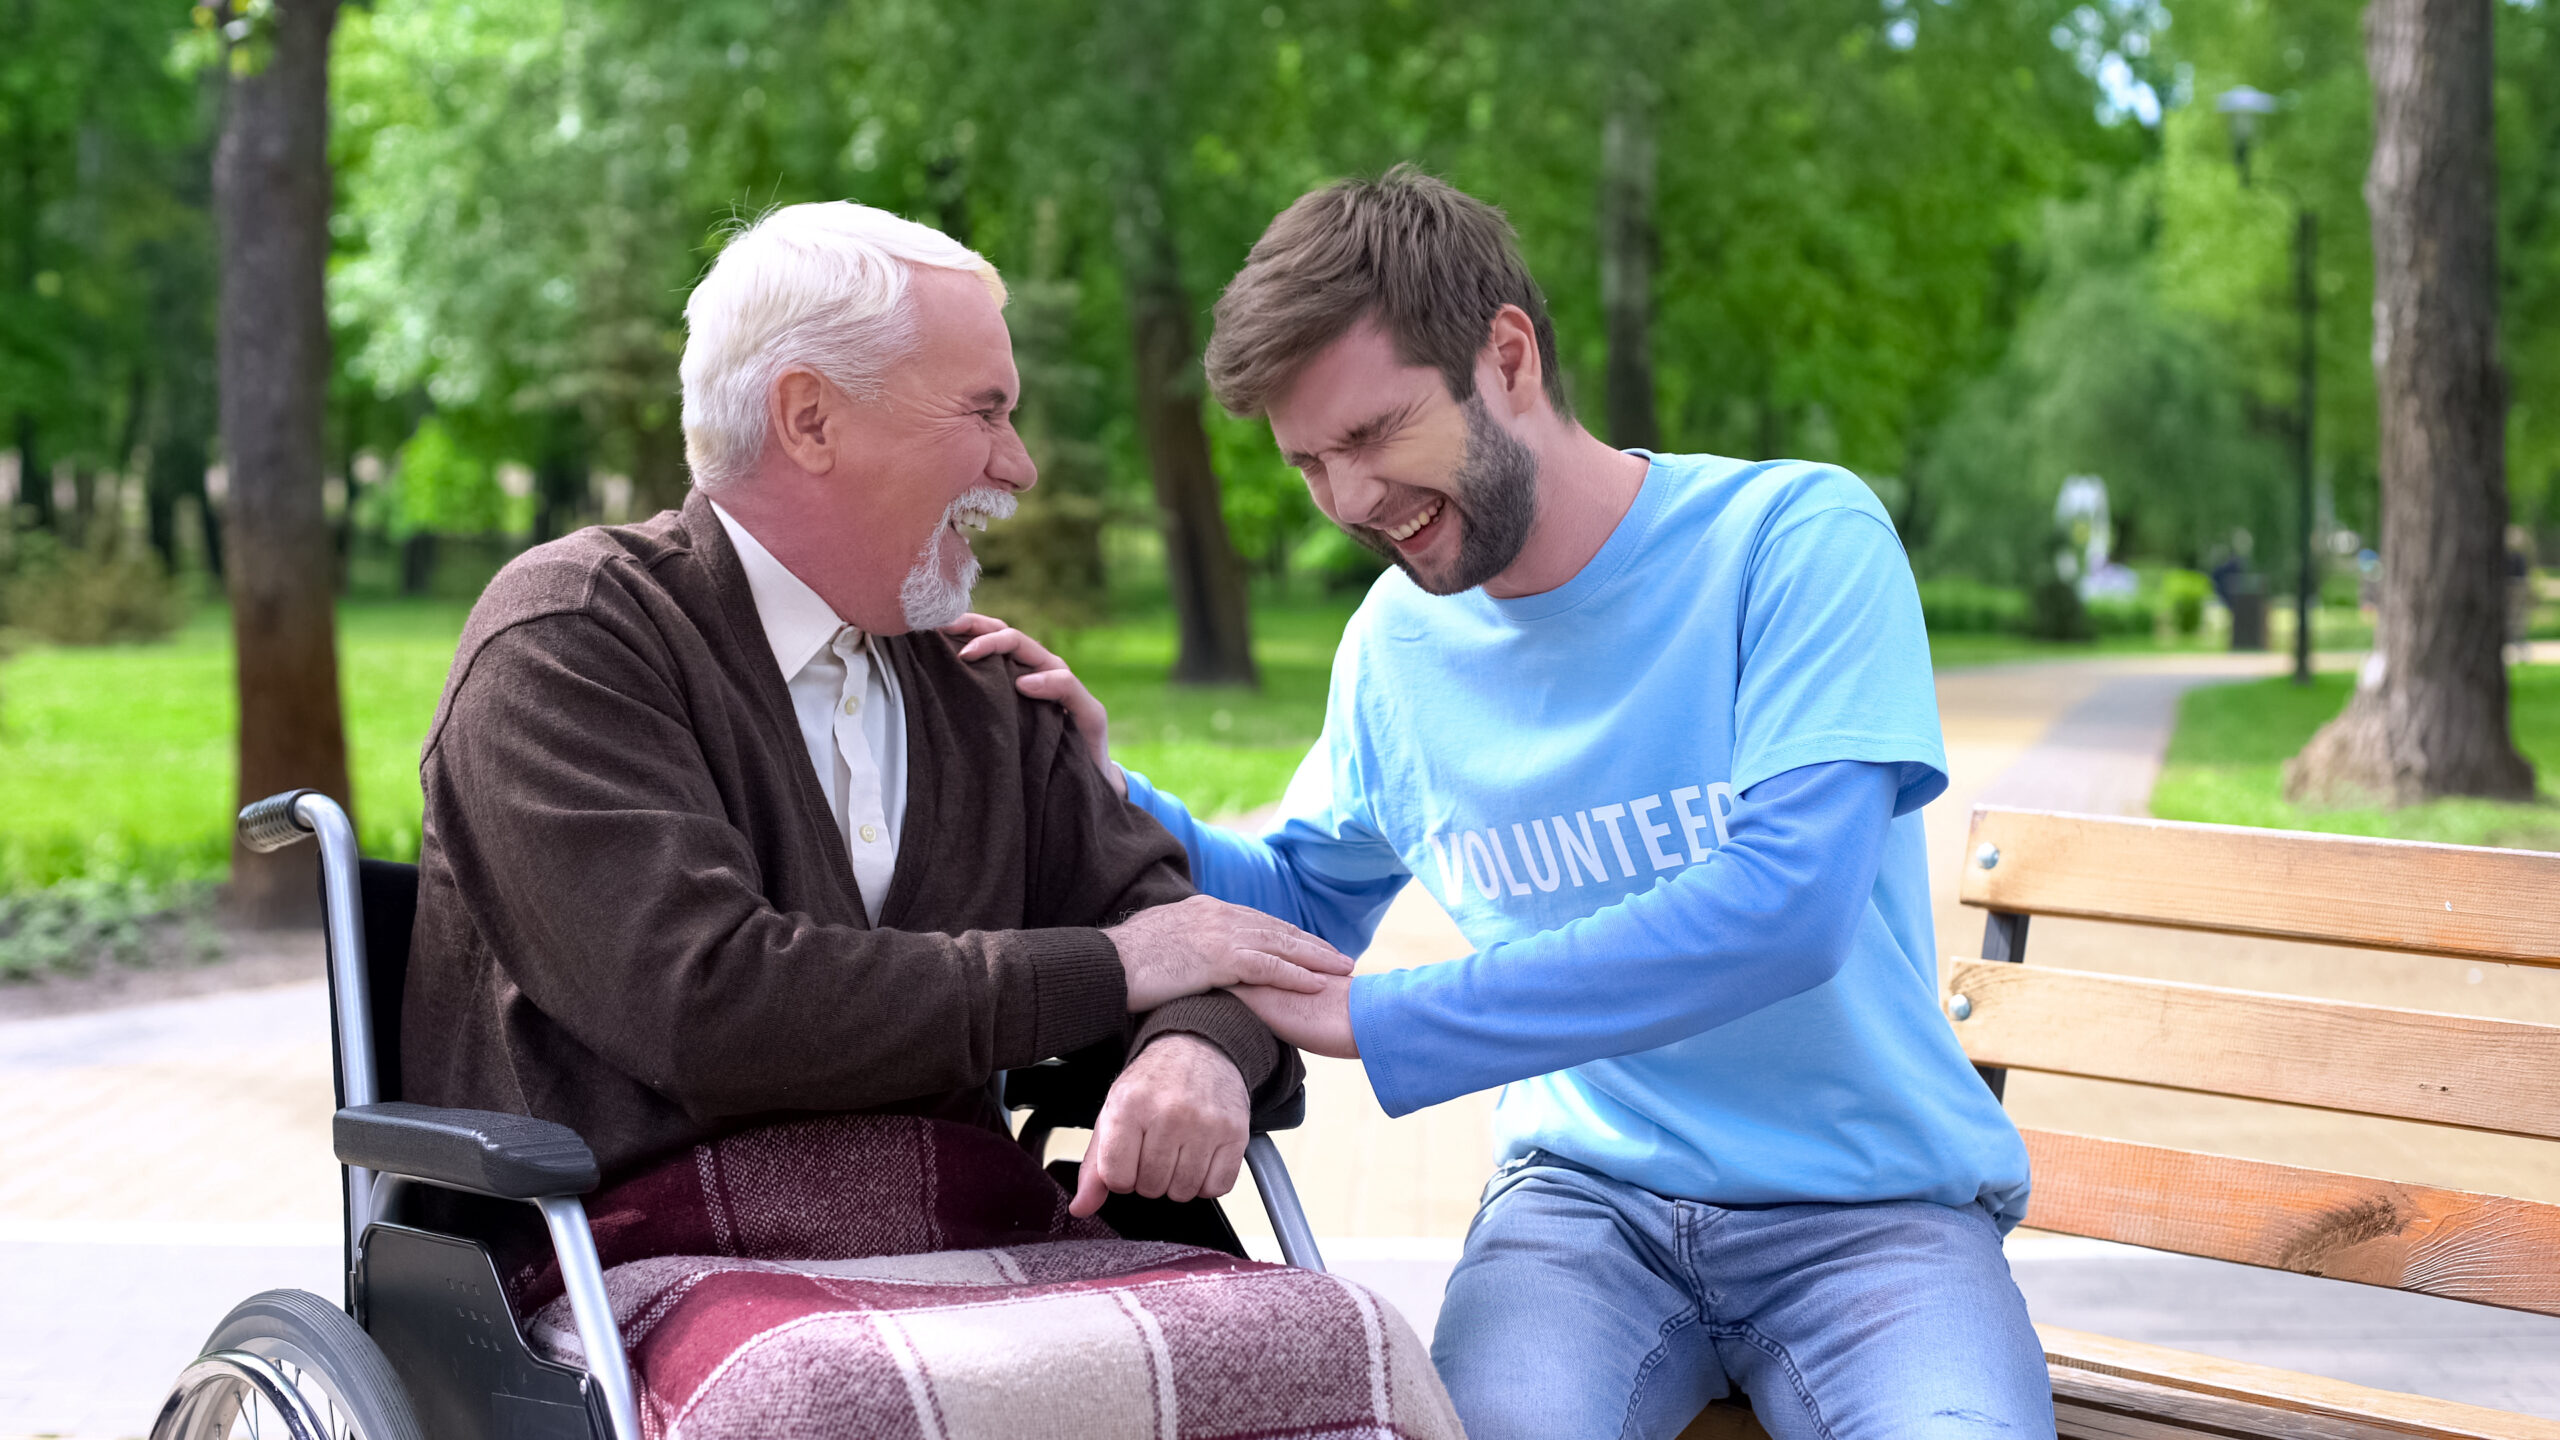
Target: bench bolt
pixel 1987 856
pixel 1959 1007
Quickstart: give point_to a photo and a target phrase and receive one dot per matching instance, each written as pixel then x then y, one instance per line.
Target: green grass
pixel 117 761
pixel 1955 651
pixel 2226 765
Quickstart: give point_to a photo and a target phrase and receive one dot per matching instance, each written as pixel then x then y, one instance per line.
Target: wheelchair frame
pixel 424 1295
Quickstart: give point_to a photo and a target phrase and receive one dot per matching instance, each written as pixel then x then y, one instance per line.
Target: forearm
pixel 1768 916
pixel 1271 873
pixel 1238 868
pixel 1271 1070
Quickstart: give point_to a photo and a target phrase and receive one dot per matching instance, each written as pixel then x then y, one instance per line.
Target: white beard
pixel 928 598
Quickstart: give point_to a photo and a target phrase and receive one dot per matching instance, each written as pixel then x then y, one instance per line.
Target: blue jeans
pixel 1587 1308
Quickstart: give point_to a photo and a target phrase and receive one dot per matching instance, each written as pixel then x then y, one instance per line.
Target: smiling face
pixel 1437 485
pixel 868 499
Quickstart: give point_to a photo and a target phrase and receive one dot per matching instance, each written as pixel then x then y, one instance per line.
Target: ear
pixel 1511 357
pixel 801 414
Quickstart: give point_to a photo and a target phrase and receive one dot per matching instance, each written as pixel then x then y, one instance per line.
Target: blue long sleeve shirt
pixel 1771 913
pixel 1673 805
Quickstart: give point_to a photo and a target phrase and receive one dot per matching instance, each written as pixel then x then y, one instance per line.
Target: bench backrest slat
pixel 2489 1249
pixel 2450 900
pixel 2500 1075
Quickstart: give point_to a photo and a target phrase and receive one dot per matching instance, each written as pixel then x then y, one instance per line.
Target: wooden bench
pixel 2501 1076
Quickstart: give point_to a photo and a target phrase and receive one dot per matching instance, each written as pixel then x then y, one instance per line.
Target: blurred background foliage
pixel 1965 247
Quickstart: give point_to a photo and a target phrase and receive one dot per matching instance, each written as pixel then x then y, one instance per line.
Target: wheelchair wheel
pixel 288 1365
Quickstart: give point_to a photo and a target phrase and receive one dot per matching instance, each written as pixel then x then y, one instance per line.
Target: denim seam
pixel 1653 1361
pixel 1778 1352
pixel 1683 1223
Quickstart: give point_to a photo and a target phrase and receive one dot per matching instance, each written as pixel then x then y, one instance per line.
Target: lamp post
pixel 2244 107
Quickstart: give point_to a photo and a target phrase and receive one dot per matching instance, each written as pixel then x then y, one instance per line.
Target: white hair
pixel 821 285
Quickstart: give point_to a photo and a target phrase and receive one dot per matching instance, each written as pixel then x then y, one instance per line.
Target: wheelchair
pixel 425 1343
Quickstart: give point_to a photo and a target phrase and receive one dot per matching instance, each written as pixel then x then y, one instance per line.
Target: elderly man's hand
pixel 1195 945
pixel 1318 1021
pixel 1175 1125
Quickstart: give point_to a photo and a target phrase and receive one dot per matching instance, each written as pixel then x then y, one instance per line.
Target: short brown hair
pixel 1430 262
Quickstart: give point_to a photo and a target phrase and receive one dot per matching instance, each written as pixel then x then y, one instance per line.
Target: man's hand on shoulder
pixel 1193 946
pixel 1174 1125
pixel 1050 680
pixel 1317 1021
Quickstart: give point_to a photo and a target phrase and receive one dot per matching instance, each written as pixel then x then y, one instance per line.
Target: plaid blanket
pixel 893 1276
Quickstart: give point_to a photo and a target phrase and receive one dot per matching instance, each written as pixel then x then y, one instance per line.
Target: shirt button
pixel 870 833
pixel 852 703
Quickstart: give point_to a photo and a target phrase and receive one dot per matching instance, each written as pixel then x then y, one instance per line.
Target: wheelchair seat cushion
pixel 893 1276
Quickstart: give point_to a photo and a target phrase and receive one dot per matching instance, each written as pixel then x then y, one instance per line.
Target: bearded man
pixel 719 832
pixel 1656 730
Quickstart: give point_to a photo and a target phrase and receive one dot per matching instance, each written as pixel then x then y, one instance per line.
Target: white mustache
pixel 979 506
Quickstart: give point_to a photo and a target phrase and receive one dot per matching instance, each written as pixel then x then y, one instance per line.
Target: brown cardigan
pixel 636 915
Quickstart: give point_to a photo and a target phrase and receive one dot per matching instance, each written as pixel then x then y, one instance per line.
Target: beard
pixel 1495 495
pixel 930 599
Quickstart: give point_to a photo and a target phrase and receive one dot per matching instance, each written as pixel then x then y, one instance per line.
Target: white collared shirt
pixel 846 700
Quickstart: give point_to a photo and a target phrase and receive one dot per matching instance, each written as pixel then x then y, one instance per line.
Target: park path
pixel 160 1162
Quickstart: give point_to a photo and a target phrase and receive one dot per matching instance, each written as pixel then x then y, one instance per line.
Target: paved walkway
pixel 164 1161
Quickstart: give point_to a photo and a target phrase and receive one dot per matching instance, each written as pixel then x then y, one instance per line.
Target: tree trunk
pixel 1201 566
pixel 1626 271
pixel 271 201
pixel 560 481
pixel 418 563
pixel 177 473
pixel 2429 717
pixel 35 476
pixel 658 475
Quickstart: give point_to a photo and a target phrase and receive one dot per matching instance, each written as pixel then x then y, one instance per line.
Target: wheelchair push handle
pixel 271 824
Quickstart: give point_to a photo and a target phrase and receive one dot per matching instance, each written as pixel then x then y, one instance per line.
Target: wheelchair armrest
pixel 1068 1095
pixel 513 1157
pixel 1285 1114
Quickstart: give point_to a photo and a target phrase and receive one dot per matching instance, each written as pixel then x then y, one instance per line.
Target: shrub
pixel 79 924
pixel 109 590
pixel 2184 593
pixel 2124 616
pixel 1968 607
pixel 2056 613
pixel 1043 568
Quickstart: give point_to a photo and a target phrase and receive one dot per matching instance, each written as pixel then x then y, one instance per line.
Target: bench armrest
pixel 513 1157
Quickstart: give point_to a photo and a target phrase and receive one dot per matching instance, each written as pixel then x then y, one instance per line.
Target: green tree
pixel 104 311
pixel 2104 376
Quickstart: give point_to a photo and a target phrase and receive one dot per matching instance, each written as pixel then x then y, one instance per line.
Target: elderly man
pixel 723 845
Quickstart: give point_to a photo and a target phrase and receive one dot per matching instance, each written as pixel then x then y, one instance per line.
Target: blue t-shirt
pixel 1607 788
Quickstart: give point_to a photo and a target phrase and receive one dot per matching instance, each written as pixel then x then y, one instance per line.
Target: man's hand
pixel 1050 679
pixel 1316 1021
pixel 1175 1125
pixel 1193 946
